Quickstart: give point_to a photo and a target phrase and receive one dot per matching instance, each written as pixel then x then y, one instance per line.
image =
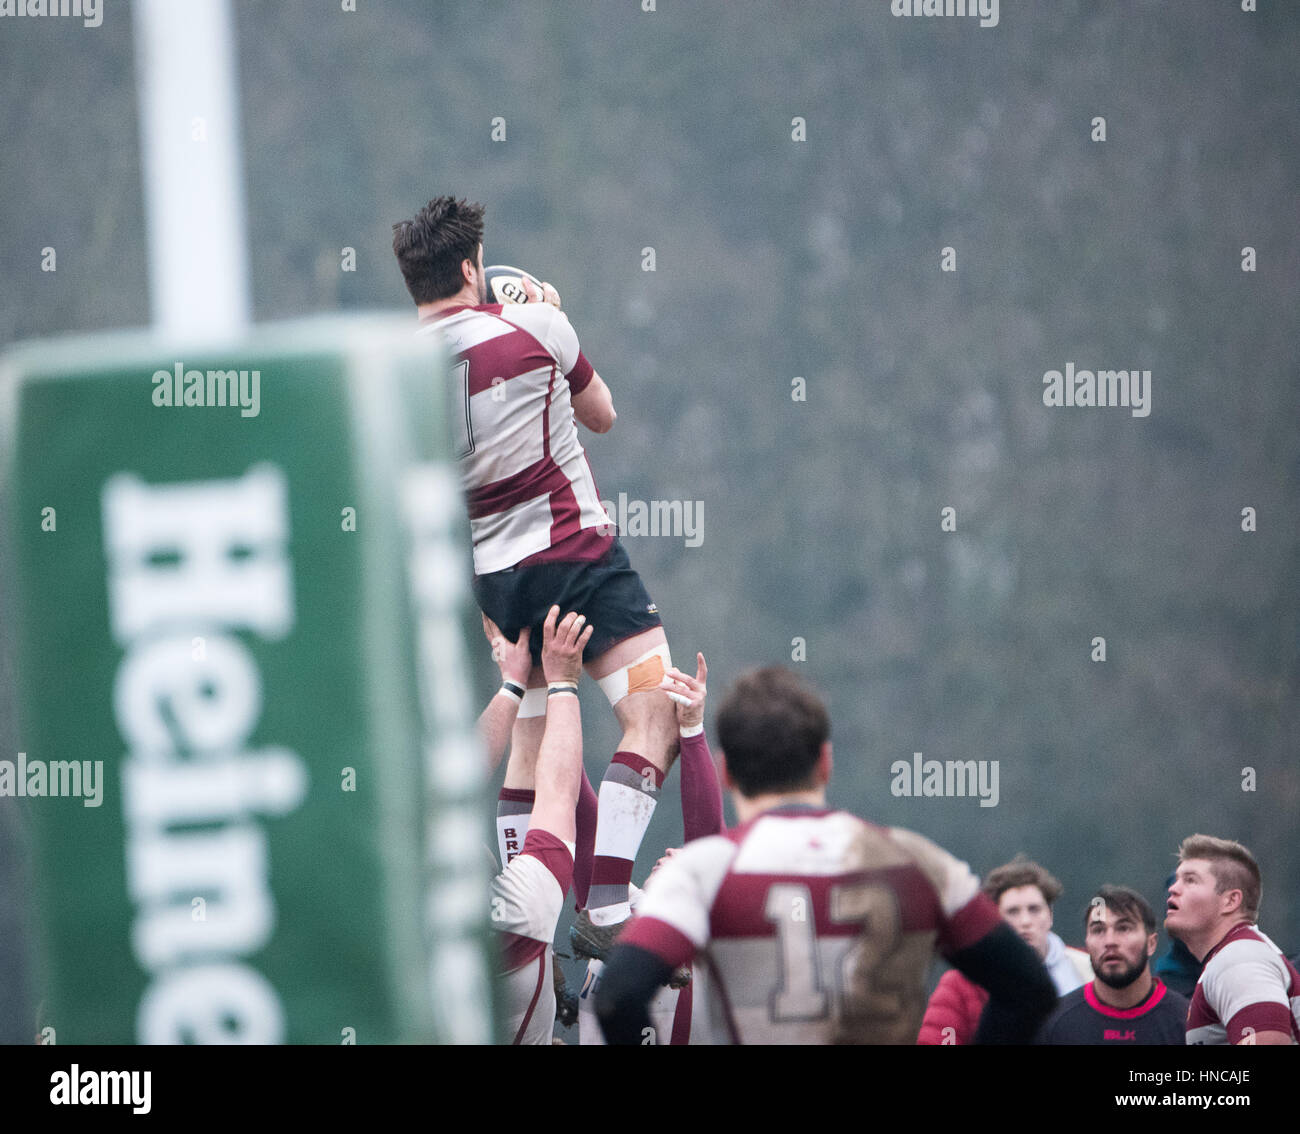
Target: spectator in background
pixel 1024 893
pixel 1124 1004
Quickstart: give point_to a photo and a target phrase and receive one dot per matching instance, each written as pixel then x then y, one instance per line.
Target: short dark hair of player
pixel 1234 868
pixel 1021 871
pixel 1122 902
pixel 771 727
pixel 431 248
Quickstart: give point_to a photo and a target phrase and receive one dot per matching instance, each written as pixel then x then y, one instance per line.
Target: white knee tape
pixel 637 676
pixel 534 703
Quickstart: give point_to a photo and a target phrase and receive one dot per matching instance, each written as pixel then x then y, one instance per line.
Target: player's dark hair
pixel 771 727
pixel 431 248
pixel 1122 902
pixel 1021 871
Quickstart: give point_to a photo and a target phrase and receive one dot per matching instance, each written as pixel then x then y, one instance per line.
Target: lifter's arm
pixel 516 664
pixel 1021 993
pixel 558 773
pixel 701 793
pixel 628 984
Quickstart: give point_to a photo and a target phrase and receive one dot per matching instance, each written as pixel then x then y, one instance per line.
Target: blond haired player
pixel 1248 992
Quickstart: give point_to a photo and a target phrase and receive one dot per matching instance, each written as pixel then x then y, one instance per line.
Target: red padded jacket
pixel 956 1004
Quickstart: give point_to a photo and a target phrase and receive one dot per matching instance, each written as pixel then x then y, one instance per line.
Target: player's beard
pixel 482 289
pixel 1124 977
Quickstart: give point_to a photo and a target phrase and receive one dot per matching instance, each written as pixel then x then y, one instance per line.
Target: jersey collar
pixel 1153 998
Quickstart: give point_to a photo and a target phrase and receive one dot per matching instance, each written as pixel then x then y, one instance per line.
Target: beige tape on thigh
pixel 639 676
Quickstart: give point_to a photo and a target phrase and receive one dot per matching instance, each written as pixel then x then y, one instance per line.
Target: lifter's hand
pixel 689 692
pixel 513 658
pixel 666 856
pixel 562 645
pixel 548 294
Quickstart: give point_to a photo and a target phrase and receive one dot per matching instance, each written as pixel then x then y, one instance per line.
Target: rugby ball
pixel 506 284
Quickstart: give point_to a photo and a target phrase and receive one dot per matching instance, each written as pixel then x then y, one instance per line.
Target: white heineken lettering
pixel 453 764
pixel 192 1005
pixel 208 552
pixel 200 560
pixel 169 699
pixel 229 864
pixel 194 791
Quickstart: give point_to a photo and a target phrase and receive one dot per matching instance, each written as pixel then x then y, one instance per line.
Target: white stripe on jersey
pixel 528 996
pixel 501 426
pixel 814 845
pixel 461 334
pixel 1244 972
pixel 527 899
pixel 681 891
pixel 504 538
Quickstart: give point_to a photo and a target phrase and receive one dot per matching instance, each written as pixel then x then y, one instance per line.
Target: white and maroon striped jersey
pixel 526 479
pixel 1246 986
pixel 527 899
pixel 814 926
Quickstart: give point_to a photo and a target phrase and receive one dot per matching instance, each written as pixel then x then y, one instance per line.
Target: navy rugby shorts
pixel 606 590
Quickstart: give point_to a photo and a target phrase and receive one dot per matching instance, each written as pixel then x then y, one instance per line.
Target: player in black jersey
pixel 1125 1003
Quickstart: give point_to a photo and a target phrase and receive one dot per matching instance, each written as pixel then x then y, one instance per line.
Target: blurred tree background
pixel 775 258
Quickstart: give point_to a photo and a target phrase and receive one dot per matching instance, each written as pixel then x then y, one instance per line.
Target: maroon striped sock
pixel 624 814
pixel 514 809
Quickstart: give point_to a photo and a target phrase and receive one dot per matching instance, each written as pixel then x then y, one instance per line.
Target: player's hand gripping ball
pixel 513 285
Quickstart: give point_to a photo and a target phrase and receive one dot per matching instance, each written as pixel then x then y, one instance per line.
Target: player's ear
pixel 727 781
pixel 825 764
pixel 1152 939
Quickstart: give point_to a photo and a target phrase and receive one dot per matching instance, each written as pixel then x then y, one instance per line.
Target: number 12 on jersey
pixel 800 994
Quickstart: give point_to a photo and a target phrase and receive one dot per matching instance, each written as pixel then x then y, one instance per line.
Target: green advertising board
pixel 239 601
